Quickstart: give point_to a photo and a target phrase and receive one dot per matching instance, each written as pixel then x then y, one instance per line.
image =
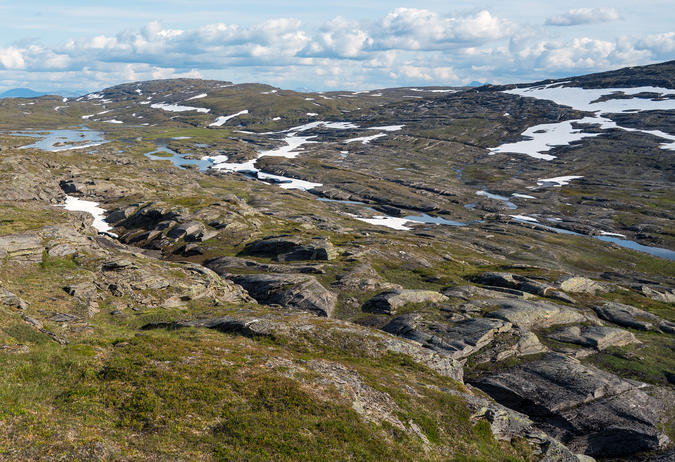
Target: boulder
pixel 660 294
pixel 514 282
pixel 298 291
pixel 581 285
pixel 391 301
pixel 21 248
pixel 362 278
pixel 458 340
pixel 186 230
pixel 589 410
pixel 291 248
pixel 9 299
pixel 61 250
pixel 119 264
pixel 527 314
pixel 82 290
pixel 629 316
pixel 598 337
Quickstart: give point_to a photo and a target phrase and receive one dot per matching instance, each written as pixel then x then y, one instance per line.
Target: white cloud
pixel 661 45
pixel 11 58
pixel 407 46
pixel 339 38
pixel 413 29
pixel 584 16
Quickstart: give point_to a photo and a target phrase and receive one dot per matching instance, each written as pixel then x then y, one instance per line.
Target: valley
pixel 201 270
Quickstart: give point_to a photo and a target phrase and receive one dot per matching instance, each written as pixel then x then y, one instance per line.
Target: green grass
pixel 652 361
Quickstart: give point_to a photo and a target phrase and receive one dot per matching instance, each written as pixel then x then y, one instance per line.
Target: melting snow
pixel 557 181
pixel 78 205
pixel 387 128
pixel 178 108
pixel 223 119
pixel 365 139
pixel 544 137
pixel 290 150
pixel 385 220
pixel 524 218
pixel 202 95
pixel 605 233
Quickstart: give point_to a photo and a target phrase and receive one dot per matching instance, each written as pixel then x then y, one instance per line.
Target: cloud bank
pixel 584 16
pixel 405 46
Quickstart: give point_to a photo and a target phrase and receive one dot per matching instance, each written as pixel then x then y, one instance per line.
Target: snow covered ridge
pixel 544 137
pixel 587 99
pixel 78 205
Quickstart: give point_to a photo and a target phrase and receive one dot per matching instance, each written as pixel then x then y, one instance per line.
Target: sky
pixel 79 46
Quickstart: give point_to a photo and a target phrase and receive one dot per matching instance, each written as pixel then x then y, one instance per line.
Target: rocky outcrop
pixel 589 410
pixel 21 248
pixel 629 316
pixel 458 340
pixel 9 299
pixel 226 264
pixel 390 302
pixel 581 285
pixel 188 231
pixel 291 248
pixel 294 291
pixel 507 424
pixel 330 333
pixel 598 337
pixel 521 283
pixel 362 278
pixel 660 294
pixel 531 314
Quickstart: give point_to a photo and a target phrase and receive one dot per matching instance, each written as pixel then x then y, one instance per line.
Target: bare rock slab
pixel 391 301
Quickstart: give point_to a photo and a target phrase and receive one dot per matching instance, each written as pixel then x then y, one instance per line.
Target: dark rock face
pixel 290 248
pixel 459 340
pixel 297 291
pixel 589 410
pixel 186 230
pixel 598 337
pixel 391 301
pixel 523 284
pixel 629 316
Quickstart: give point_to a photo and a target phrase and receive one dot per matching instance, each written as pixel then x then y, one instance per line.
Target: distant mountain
pixel 28 93
pixel 22 93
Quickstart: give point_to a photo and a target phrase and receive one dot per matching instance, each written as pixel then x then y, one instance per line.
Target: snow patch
pixel 365 139
pixel 200 96
pixel 223 119
pixel 524 218
pixel 557 181
pixel 387 128
pixel 78 205
pixel 178 108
